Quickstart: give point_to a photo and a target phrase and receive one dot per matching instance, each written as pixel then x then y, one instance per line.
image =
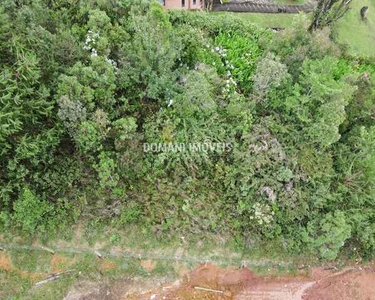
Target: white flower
pixel 94 53
pixel 111 61
pixel 170 102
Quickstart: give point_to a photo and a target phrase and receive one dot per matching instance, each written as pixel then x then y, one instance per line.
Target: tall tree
pixel 328 12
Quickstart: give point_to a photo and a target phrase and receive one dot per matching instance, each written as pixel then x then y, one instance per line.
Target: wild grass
pixel 357 34
pixel 265 20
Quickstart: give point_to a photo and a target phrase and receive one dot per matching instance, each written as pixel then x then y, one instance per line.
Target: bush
pixel 328 235
pixel 30 213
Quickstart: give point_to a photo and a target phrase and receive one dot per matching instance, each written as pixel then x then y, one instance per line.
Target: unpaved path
pixel 209 282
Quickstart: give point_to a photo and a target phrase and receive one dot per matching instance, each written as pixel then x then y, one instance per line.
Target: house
pixel 181 4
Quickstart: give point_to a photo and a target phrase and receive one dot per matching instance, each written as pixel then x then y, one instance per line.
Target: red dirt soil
pixel 242 284
pixel 351 285
pixel 224 284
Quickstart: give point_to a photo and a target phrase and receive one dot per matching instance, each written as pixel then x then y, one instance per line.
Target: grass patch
pixel 13 285
pixel 351 30
pixel 33 261
pixel 18 275
pixel 357 34
pixel 265 20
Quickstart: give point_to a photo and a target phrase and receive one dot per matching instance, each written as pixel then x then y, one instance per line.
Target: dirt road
pixel 209 282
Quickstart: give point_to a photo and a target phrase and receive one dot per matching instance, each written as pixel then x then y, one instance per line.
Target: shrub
pixel 269 74
pixel 30 213
pixel 328 235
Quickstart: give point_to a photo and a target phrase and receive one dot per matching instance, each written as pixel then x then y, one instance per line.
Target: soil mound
pixel 351 285
pixel 206 282
pixel 214 277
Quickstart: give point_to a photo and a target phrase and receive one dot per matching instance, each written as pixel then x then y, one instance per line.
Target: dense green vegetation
pixel 84 86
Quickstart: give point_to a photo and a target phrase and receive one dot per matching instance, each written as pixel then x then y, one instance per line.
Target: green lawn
pixel 358 34
pixel 265 20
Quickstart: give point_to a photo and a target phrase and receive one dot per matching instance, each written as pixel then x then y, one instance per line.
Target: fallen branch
pixel 99 255
pixel 208 290
pixel 53 277
pixel 47 249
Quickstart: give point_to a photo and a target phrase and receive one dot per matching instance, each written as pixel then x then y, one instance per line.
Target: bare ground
pixel 209 282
